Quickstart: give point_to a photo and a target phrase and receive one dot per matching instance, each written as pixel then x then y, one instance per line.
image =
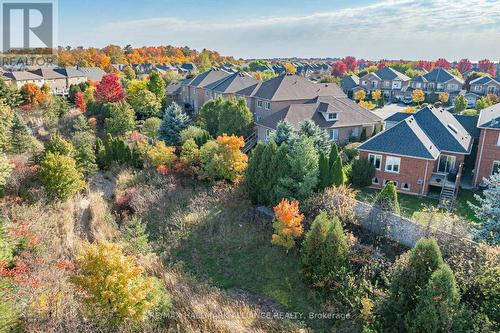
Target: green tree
pixel 279 167
pixel 58 145
pixel 129 73
pixel 5 170
pixel 460 104
pixel 84 152
pixel 387 199
pixel 121 119
pixel 174 121
pixel 324 172
pixel 362 173
pixel 324 250
pixel 156 85
pixel 318 135
pixel 209 115
pixel 10 95
pixel 265 176
pixel 487 211
pixel 363 136
pixel 204 62
pixel 483 103
pixel 300 180
pixel 6 118
pixel 145 104
pixel 198 134
pixel 20 139
pixel 283 133
pixel 235 118
pixel 60 176
pixel 252 172
pixel 151 127
pixel 336 169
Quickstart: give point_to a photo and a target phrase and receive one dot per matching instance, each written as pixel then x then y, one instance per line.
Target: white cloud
pixel 387 29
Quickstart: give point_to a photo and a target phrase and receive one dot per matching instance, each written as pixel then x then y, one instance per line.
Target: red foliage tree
pixel 423 64
pixel 109 89
pixel 443 63
pixel 381 64
pixel 487 66
pixel 339 69
pixel 80 102
pixel 464 65
pixel 360 62
pixel 350 63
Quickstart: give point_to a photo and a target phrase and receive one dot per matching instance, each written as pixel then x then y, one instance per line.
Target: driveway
pixel 389 109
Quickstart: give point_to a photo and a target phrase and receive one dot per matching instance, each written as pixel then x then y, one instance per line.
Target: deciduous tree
pixel 487 66
pixel 350 63
pixel 360 95
pixel 443 63
pixel 418 96
pixel 464 65
pixel 339 69
pixel 156 85
pixel 460 104
pixel 80 102
pixel 287 223
pixel 109 90
pixel 60 176
pixel 121 119
pixel 444 97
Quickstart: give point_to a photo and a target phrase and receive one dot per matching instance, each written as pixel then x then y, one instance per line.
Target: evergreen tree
pixel 265 173
pixel 488 212
pixel 235 118
pixel 5 170
pixel 336 170
pixel 301 178
pixel 100 153
pixel 325 179
pixel 387 199
pixel 363 136
pixel 279 167
pixel 174 121
pixel 21 139
pixel 374 132
pixel 318 135
pixel 437 303
pixel 85 155
pixel 252 172
pixel 129 73
pixel 362 173
pixel 283 133
pixel 10 95
pixel 58 145
pixel 156 85
pixel 324 251
pixel 209 115
pixel 120 120
pixel 6 118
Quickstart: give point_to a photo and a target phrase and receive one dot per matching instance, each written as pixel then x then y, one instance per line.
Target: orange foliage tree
pixel 287 223
pixel 80 102
pixel 32 94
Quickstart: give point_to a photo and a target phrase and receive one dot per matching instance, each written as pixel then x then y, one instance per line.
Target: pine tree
pixel 6 119
pixel 363 136
pixel 279 167
pixel 58 145
pixel 324 172
pixel 387 199
pixel 5 170
pixel 85 159
pixel 174 121
pixel 318 135
pixel 335 163
pixel 283 133
pixel 252 172
pixel 488 211
pixel 21 139
pixel 265 173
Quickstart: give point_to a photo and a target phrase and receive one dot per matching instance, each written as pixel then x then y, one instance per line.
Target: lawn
pixel 412 205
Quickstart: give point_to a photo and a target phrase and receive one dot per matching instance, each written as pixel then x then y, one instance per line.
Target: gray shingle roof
pixel 349 113
pixel 48 73
pixel 173 88
pixel 292 87
pixel 208 77
pixel 22 76
pixel 441 75
pixel 349 81
pixel 233 83
pixel 405 138
pixel 398 116
pixel 387 73
pixel 490 117
pixel 69 72
pixel 92 73
pixel 470 124
pixel 484 80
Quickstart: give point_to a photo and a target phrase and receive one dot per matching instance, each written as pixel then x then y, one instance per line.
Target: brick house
pixel 488 155
pixel 424 150
pixel 436 81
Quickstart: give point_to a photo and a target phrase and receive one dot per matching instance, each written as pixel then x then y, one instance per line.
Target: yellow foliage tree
pixel 287 223
pixel 410 109
pixel 360 95
pixel 114 285
pixel 367 105
pixel 418 96
pixel 161 154
pixel 290 68
pixel 376 95
pixel 444 97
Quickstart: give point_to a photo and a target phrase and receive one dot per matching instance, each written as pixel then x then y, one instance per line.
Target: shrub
pixel 337 175
pixel 190 155
pixel 6 118
pixel 287 223
pixel 120 120
pixel 151 127
pixel 336 201
pixel 115 150
pixel 350 150
pixel 222 158
pixel 5 170
pixel 324 251
pixel 161 154
pixel 198 134
pixel 362 173
pixel 60 176
pixel 387 199
pixel 115 286
pixel 21 139
pixel 174 121
pixel 145 104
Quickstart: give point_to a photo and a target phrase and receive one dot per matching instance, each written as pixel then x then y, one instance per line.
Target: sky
pixel 369 29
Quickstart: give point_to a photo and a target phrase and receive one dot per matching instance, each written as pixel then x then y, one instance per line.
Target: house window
pixel 259 104
pixel 387 84
pixel 268 105
pixel 405 186
pixel 375 181
pixel 355 131
pixel 446 163
pixel 496 167
pixel 374 84
pixel 419 85
pixel 478 88
pixel 333 133
pixel 392 164
pixel 207 93
pixel 364 83
pixel 332 116
pixel 491 90
pixel 376 160
pixel 268 134
pixel 393 181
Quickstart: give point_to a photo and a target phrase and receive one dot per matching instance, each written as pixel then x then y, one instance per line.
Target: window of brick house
pixel 405 186
pixel 496 167
pixel 392 164
pixel 375 181
pixel 259 104
pixel 376 160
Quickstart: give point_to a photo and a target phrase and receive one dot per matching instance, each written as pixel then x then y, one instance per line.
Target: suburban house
pixel 340 117
pixel 173 92
pixel 56 81
pixel 188 68
pixel 349 84
pixel 485 85
pixel 20 78
pixel 438 80
pixel 488 154
pixel 72 75
pixel 386 79
pixel 425 151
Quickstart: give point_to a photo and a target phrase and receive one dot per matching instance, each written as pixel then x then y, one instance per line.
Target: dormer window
pixel 332 116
